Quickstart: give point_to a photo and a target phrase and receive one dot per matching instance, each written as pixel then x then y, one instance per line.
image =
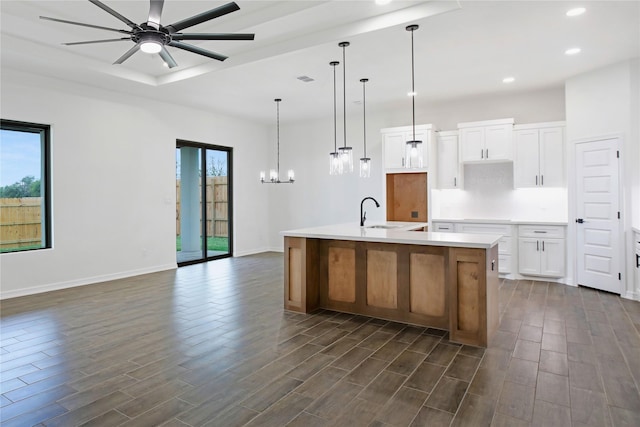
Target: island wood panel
pixel 382 278
pixel 427 295
pixel 407 197
pixel 301 278
pixel 471 288
pixel 338 275
pixel 342 274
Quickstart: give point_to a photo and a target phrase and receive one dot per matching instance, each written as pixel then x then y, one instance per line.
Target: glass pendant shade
pixel 413 154
pixel 365 167
pixel 335 164
pixel 346 156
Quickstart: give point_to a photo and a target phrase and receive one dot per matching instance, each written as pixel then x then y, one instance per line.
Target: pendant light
pixel 274 174
pixel 365 162
pixel 335 163
pixel 346 153
pixel 413 148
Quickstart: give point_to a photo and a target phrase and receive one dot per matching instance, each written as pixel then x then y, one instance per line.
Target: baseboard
pixel 254 252
pixel 83 282
pixel 631 295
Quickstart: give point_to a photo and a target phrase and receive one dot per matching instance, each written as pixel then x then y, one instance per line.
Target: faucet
pixel 363 217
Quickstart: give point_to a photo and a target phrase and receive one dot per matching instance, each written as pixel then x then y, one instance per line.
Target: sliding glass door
pixel 203 202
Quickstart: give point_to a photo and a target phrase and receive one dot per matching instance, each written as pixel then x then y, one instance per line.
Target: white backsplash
pixel 489 194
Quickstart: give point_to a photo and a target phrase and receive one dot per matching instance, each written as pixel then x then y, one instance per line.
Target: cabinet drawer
pixel 504 263
pixel 443 227
pixel 501 229
pixel 541 231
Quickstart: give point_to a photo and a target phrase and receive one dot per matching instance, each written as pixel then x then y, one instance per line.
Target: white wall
pixel 113 184
pixel 318 198
pixel 601 103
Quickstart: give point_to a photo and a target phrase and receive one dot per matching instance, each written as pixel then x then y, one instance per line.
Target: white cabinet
pixel 539 155
pixel 541 250
pixel 505 246
pixel 487 141
pixel 449 175
pixel 394 141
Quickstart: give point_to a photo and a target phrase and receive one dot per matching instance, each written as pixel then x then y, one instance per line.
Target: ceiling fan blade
pixel 167 58
pixel 199 51
pixel 127 54
pixel 86 25
pixel 212 36
pixel 155 11
pixel 97 41
pixel 203 17
pixel 114 13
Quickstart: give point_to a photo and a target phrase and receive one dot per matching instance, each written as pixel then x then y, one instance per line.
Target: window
pixel 25 195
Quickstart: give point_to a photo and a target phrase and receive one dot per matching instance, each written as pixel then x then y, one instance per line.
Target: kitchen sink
pixel 385 226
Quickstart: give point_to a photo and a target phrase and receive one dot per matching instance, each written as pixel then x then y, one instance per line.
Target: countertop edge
pixel 500 221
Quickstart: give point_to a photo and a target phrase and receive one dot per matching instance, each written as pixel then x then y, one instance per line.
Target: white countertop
pixel 502 221
pixel 400 233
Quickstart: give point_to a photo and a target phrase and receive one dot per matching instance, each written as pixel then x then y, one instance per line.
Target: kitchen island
pixel 396 271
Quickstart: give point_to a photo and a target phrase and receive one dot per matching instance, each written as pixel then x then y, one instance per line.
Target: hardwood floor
pixel 210 345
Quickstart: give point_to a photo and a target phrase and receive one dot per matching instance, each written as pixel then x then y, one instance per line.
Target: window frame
pixel 45 158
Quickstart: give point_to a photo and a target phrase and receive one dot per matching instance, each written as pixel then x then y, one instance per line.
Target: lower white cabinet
pixel 504 246
pixel 541 250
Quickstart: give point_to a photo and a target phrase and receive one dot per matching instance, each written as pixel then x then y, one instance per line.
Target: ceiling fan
pixel 151 37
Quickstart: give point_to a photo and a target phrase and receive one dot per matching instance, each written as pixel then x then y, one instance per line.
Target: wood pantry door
pixel 597 210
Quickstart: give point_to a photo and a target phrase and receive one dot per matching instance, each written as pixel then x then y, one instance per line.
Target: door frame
pixel 572 198
pixel 230 226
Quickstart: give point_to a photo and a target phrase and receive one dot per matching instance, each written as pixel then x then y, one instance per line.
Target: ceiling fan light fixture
pixel 150 47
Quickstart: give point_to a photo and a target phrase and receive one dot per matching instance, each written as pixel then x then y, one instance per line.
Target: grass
pixel 213 244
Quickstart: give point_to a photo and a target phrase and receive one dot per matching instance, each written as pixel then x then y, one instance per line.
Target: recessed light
pixel 576 11
pixel 508 80
pixel 382 2
pixel 572 51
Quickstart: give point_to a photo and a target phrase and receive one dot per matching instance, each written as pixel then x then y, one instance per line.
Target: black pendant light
pixel 274 174
pixel 413 148
pixel 346 153
pixel 365 162
pixel 335 164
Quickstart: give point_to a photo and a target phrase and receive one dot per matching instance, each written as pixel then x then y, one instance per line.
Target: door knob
pixel 580 220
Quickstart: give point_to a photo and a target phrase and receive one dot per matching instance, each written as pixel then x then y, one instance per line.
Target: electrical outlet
pixel 414 214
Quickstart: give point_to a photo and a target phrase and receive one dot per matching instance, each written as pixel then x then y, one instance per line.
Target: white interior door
pixel 597 199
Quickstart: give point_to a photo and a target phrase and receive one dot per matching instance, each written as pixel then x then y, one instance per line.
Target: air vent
pixel 305 79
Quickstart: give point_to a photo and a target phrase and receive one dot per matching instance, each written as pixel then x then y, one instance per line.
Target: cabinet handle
pixel 537 245
pixel 536 179
pixel 543 246
pixel 541 179
pixel 455 184
pixel 403 162
pixel 481 153
pixel 487 156
pixel 539 231
pixel 493 263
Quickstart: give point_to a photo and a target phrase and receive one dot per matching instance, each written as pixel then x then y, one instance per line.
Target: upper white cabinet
pixel 394 141
pixel 449 175
pixel 486 141
pixel 539 159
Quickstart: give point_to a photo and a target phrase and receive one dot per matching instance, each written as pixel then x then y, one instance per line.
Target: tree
pixel 26 187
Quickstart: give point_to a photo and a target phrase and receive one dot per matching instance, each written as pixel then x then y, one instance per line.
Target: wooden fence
pixel 20 223
pixel 217 206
